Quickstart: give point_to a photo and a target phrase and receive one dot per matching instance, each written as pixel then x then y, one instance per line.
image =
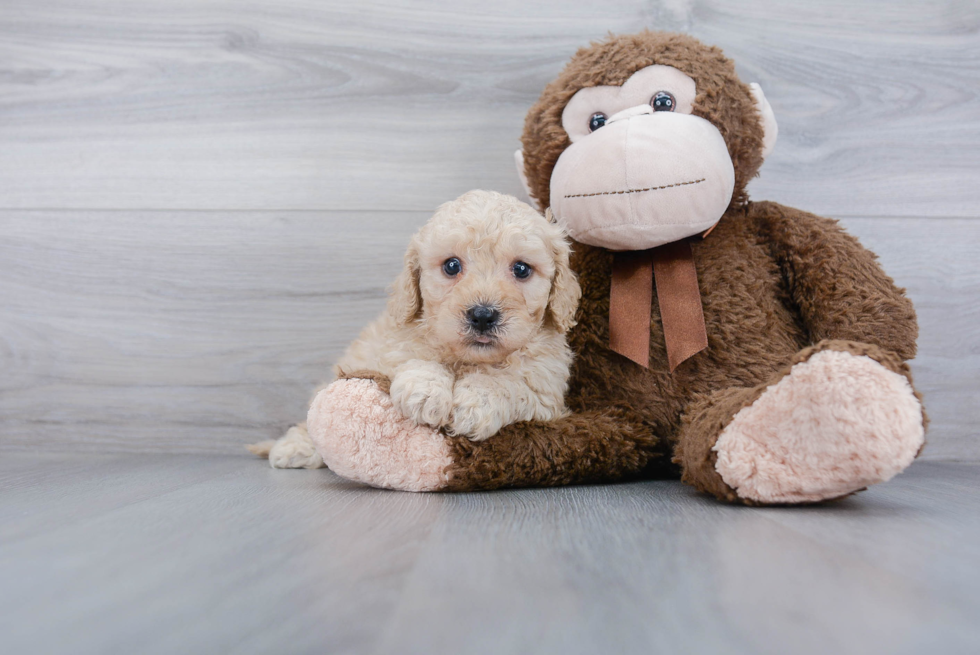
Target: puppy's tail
pixel 261 448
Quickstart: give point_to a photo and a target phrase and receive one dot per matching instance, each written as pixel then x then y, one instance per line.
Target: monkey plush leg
pixel 842 417
pixel 362 437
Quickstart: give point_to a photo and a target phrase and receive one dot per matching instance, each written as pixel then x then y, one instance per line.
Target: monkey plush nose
pixel 482 317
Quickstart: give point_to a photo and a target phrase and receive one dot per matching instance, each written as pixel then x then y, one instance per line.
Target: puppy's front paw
pixel 423 391
pixel 477 411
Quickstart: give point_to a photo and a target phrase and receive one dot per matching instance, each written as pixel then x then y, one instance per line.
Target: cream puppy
pixel 473 336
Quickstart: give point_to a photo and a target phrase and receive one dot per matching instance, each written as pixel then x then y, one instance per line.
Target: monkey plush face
pixel 641 170
pixel 644 140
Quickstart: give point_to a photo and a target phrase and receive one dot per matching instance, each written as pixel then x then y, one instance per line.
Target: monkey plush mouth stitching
pixel 649 188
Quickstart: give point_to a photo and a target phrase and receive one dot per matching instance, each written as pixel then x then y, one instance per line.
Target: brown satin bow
pixel 631 299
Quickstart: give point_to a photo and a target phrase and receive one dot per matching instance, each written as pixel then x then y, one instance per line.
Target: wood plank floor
pixel 219 554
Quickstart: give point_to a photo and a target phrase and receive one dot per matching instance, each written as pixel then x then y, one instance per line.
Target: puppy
pixel 473 336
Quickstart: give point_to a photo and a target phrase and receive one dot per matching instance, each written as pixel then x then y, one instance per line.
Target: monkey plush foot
pixel 836 423
pixel 362 437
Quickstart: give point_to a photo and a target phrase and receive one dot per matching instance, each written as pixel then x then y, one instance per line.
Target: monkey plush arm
pixel 837 285
pixel 362 437
pixel 581 448
pixel 618 438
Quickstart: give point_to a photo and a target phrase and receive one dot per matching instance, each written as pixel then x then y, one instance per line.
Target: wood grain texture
pixel 168 332
pixel 185 554
pixel 214 104
pixel 202 202
pixel 198 332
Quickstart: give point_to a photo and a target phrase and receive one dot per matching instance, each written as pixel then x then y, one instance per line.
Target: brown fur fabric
pixel 777 284
pixel 597 446
pixel 383 382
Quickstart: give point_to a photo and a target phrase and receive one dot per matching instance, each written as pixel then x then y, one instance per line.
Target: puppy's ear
pixel 405 301
pixel 565 290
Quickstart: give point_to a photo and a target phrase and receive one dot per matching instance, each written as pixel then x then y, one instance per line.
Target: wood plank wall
pixel 201 201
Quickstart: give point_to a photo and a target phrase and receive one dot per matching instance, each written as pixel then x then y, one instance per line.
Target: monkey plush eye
pixel 452 267
pixel 598 120
pixel 521 270
pixel 663 101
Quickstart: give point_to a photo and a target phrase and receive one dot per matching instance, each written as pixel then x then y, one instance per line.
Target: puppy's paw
pixel 423 392
pixel 295 450
pixel 477 411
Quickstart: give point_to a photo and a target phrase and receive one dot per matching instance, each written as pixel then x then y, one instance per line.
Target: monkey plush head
pixel 643 140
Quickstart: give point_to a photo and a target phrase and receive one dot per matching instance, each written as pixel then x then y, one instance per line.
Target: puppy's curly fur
pixel 444 372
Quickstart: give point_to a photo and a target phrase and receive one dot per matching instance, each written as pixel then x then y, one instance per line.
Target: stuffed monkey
pixel 756 350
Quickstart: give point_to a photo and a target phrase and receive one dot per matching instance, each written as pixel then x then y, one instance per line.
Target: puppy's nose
pixel 482 317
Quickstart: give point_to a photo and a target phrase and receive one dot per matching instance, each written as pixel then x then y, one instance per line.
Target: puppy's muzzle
pixel 482 318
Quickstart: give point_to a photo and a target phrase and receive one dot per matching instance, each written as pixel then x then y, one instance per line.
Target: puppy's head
pixel 483 276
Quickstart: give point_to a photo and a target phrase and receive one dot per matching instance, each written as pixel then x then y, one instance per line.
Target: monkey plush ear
pixel 519 161
pixel 769 127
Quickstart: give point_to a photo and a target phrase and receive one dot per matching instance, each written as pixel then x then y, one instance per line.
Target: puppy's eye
pixel 452 267
pixel 521 270
pixel 597 120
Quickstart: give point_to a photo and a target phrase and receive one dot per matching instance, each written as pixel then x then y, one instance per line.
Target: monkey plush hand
pixel 757 350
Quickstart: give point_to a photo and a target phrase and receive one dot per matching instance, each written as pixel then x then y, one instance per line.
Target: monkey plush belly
pixel 750 318
pixel 751 325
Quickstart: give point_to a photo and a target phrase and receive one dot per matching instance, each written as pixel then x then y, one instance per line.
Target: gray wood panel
pixel 185 554
pixel 198 332
pixel 205 200
pixel 215 104
pixel 184 331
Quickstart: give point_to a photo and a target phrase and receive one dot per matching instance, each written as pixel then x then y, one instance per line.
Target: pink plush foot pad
pixel 837 423
pixel 362 437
